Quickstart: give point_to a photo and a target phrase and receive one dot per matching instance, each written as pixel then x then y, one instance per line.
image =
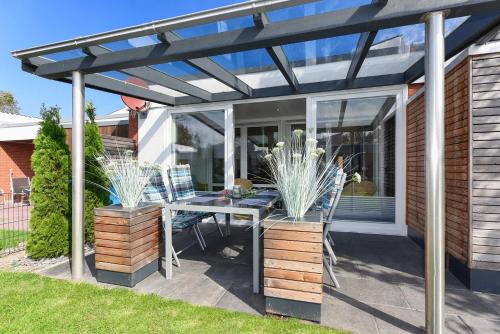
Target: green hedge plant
pixel 96 183
pixel 50 194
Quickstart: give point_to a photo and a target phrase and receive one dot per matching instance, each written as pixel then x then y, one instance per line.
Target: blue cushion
pixel 182 221
pixel 181 182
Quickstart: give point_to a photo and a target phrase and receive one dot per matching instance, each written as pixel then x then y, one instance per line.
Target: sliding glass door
pixel 361 130
pixel 251 144
pixel 198 140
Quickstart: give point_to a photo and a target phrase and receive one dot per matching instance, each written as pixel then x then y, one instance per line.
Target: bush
pixel 96 180
pixel 50 195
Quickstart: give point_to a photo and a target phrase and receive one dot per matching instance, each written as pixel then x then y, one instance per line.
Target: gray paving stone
pixel 479 325
pixel 458 301
pixel 348 315
pixel 240 297
pixel 370 291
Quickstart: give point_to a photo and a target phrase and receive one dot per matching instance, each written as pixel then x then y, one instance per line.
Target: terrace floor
pixel 381 278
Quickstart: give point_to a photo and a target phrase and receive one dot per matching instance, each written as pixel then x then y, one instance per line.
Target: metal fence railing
pixel 14 223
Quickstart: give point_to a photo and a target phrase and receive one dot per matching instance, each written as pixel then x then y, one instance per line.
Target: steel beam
pixel 278 55
pixel 364 44
pixel 347 21
pixel 312 87
pixel 155 76
pixel 343 107
pixel 78 172
pixel 209 67
pixel 463 36
pixel 107 84
pixel 434 173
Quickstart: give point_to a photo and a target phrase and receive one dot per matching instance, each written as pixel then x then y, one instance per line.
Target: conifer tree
pixel 95 179
pixel 49 222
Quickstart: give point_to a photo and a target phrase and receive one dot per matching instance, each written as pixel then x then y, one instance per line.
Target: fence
pixel 14 223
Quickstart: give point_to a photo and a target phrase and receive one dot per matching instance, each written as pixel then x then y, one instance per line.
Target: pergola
pixel 212 56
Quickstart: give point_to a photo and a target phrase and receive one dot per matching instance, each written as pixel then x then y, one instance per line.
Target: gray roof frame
pixel 366 20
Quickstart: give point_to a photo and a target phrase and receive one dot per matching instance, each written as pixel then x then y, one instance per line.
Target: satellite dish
pixel 134 103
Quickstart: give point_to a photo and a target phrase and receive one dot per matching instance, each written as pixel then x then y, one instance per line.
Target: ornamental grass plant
pixel 299 172
pixel 127 175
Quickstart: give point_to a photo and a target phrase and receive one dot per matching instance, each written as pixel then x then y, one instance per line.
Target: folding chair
pixel 329 205
pixel 155 191
pixel 181 185
pixel 19 186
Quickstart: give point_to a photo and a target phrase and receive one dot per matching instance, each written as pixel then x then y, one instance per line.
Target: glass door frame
pixel 228 136
pixel 284 130
pixel 401 95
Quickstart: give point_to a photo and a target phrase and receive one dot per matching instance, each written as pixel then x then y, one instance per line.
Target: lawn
pixel 34 304
pixel 10 239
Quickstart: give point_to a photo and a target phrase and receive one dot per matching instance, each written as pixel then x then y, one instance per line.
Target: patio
pixel 382 288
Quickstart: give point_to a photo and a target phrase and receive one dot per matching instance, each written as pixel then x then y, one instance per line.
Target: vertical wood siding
pixel 486 162
pixel 456 162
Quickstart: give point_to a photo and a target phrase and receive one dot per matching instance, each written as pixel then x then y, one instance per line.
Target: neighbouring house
pixel 17 133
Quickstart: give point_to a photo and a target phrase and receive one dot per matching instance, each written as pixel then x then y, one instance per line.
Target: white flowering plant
pixel 299 173
pixel 127 175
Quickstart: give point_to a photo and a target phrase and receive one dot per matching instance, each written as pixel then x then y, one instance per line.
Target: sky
pixel 28 23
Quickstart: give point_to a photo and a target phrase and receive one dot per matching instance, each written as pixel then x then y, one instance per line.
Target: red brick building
pixel 17 133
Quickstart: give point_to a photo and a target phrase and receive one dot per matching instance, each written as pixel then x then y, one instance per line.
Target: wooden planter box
pixel 293 266
pixel 127 243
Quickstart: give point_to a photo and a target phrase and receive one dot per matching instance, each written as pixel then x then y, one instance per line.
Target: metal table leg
pixel 168 244
pixel 228 224
pixel 256 254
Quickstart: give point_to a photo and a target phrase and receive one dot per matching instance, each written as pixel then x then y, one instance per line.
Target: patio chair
pixel 329 204
pixel 181 185
pixel 19 186
pixel 155 191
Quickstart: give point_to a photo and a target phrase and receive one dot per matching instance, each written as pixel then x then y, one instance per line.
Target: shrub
pixel 50 162
pixel 96 180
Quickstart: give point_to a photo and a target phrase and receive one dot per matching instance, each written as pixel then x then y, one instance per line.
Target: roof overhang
pixel 284 76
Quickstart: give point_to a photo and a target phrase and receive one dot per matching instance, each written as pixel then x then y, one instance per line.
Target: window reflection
pixel 199 142
pixel 362 130
pixel 259 140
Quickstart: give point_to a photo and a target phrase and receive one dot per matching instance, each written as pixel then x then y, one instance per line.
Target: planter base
pixel 294 308
pixel 127 279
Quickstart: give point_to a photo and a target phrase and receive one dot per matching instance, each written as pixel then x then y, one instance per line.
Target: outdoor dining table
pixel 257 206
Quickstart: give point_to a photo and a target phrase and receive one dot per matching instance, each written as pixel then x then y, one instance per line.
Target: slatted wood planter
pixel 293 266
pixel 127 243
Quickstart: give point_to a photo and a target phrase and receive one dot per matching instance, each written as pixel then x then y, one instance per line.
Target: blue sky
pixel 26 23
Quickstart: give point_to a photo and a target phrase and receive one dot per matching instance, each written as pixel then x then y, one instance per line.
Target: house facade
pixel 376 132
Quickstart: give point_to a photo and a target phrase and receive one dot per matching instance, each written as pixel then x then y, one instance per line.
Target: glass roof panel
pixel 313 8
pixel 400 47
pixel 255 67
pixel 323 59
pixel 185 72
pixel 132 43
pixel 65 55
pixel 216 27
pixel 131 80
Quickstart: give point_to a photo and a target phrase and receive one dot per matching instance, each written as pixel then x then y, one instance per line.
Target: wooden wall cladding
pixel 293 260
pixel 486 162
pixel 126 241
pixel 457 157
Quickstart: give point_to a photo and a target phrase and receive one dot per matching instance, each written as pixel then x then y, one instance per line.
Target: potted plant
pixel 293 238
pixel 127 235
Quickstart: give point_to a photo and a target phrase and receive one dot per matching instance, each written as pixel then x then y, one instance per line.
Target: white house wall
pixel 152 136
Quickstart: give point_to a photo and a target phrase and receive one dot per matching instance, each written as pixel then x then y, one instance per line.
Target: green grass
pixel 34 304
pixel 10 239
